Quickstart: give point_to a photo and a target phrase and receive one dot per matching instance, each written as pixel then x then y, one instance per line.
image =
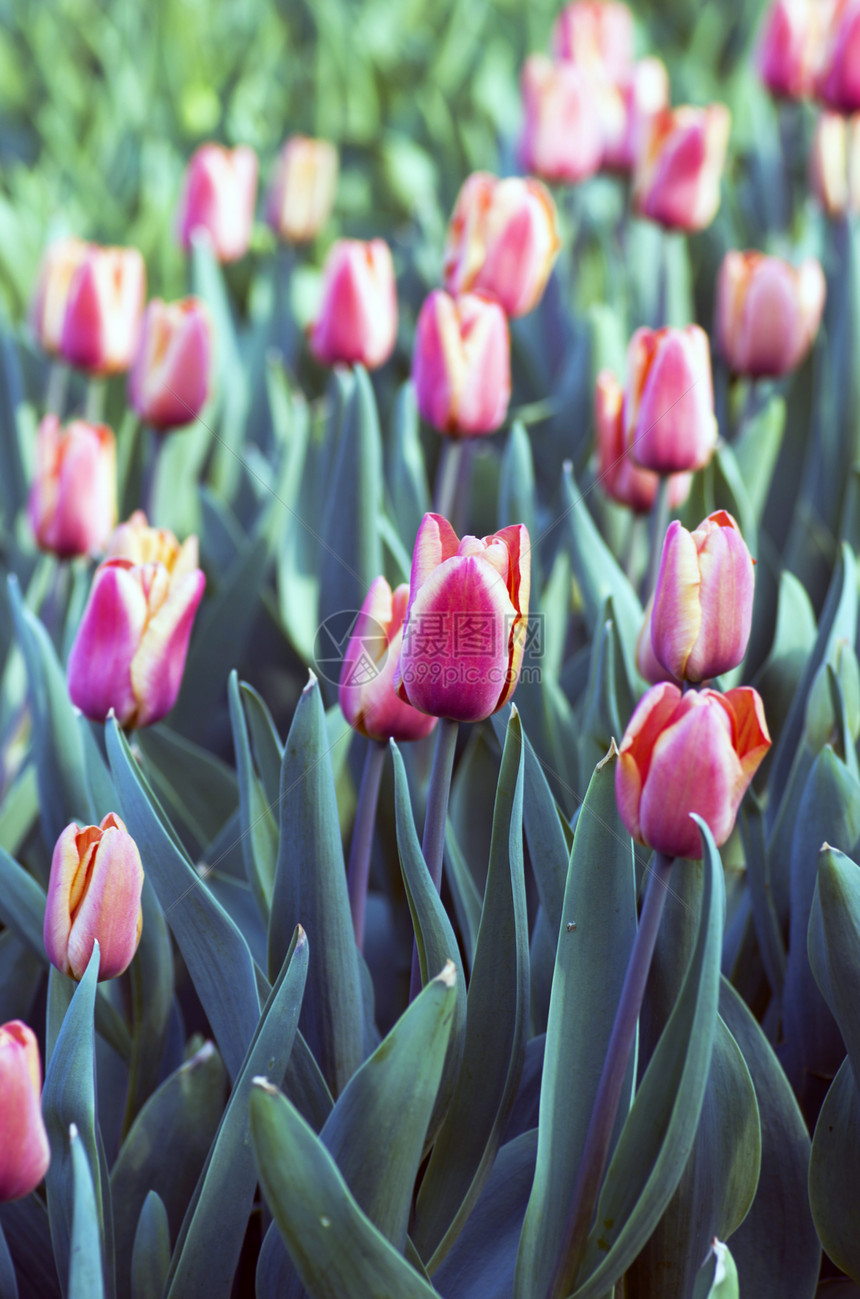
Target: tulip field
pixel 429 634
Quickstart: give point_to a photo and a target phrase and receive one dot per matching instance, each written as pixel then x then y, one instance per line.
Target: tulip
pixel 94 894
pixel 695 752
pixel 301 195
pixel 700 623
pixel 834 163
pixel 502 241
pixel 465 628
pixel 461 365
pixel 136 541
pixel 768 313
pixel 72 503
pixel 627 107
pixel 588 33
pixel 357 320
pixel 648 665
pixel 678 171
pixel 169 380
pixel 104 305
pixel 837 82
pixel 24 1150
pixel 562 136
pixel 129 651
pixel 788 47
pixel 47 313
pixel 219 194
pixel 366 692
pixel 618 474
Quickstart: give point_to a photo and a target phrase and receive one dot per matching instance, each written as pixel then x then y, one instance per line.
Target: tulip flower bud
pixel 366 691
pixel 357 320
pixel 834 163
pixel 24 1150
pixel 618 474
pixel 669 420
pixel 465 629
pixel 48 311
pixel 301 195
pixel 647 664
pixel 129 651
pixel 627 106
pixel 562 136
pixel 700 623
pixel 788 47
pixel 587 34
pixel 461 366
pixel 72 503
pixel 680 754
pixel 837 81
pixel 103 309
pixel 94 894
pixel 502 241
pixel 678 171
pixel 218 195
pixel 169 380
pixel 768 313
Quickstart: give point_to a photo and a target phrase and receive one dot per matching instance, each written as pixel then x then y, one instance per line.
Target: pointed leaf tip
pixel 611 753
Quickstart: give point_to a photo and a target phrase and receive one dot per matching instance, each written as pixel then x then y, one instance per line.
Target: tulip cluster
pixel 72 505
pixel 768 313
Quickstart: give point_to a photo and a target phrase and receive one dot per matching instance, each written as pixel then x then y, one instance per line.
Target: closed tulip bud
pixel 129 651
pixel 169 380
pixel 768 313
pixel 618 473
pixel 562 136
pixel 219 195
pixel 788 47
pixel 103 310
pixel 695 752
pixel 837 81
pixel 465 628
pixel 94 894
pixel 669 420
pixel 301 195
pixel 700 623
pixel 834 163
pixel 72 503
pixel 627 106
pixel 48 310
pixel 366 692
pixel 588 34
pixel 502 241
pixel 24 1150
pixel 680 165
pixel 461 366
pixel 357 320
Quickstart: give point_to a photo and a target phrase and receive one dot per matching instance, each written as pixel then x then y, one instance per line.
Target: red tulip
pixel 357 319
pixel 461 364
pixel 789 47
pixel 218 195
pixel 618 473
pixel 768 313
pixel 837 82
pixel 24 1150
pixel 103 309
pixel 678 171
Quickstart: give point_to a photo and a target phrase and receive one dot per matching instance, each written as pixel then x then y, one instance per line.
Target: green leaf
pixel 151 978
pixel 756 450
pixel 601 717
pixel 496 1020
pixel 19 808
pixel 517 491
pixel 594 939
pixel 834 943
pixel 765 918
pixel 86 1279
pixel 197 789
pixel 310 889
pixel 259 825
pixel 834 1172
pixel 265 741
pixel 338 1252
pixel 548 850
pixel 28 1237
pixel 22 904
pixel 212 947
pixel 407 476
pixel 464 893
pixel 718 1275
pixel 150 1257
pixel 778 679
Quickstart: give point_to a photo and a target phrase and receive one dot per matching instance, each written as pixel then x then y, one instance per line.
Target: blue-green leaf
pixel 28 1237
pixel 834 943
pixel 86 1278
pixel 834 1172
pixel 150 1257
pixel 8 1283
pixel 258 821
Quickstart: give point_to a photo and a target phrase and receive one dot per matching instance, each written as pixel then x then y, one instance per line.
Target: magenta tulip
pixel 24 1150
pixel 461 365
pixel 357 319
pixel 562 136
pixel 680 165
pixel 301 195
pixel 103 310
pixel 788 47
pixel 669 421
pixel 837 82
pixel 48 310
pixel 627 105
pixel 72 502
pixel 588 33
pixel 617 472
pixel 218 195
pixel 169 380
pixel 768 312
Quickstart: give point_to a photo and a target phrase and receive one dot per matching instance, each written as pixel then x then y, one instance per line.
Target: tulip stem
pixel 662 303
pixel 447 477
pixel 436 817
pixel 609 1089
pixel 55 391
pixel 358 870
pixel 657 525
pixel 95 400
pixel 150 472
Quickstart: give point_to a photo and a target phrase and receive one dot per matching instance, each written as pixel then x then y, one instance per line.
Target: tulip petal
pixel 111 909
pixel 99 670
pixel 725 601
pixel 435 542
pixel 676 617
pixel 675 428
pixel 64 867
pixel 157 667
pixel 749 728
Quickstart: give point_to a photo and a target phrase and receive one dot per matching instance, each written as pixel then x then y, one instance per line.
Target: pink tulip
pixel 357 319
pixel 627 106
pixel 648 665
pixel 680 754
pixel 301 195
pixel 219 195
pixel 129 652
pixel 366 692
pixel 562 136
pixel 48 310
pixel 588 34
pixel 617 472
pixel 465 628
pixel 72 504
pixel 94 894
pixel 103 310
pixel 502 241
pixel 24 1150
pixel 837 81
pixel 669 421
pixel 169 380
pixel 678 171
pixel 461 365
pixel 834 164
pixel 788 47
pixel 768 313
pixel 700 622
